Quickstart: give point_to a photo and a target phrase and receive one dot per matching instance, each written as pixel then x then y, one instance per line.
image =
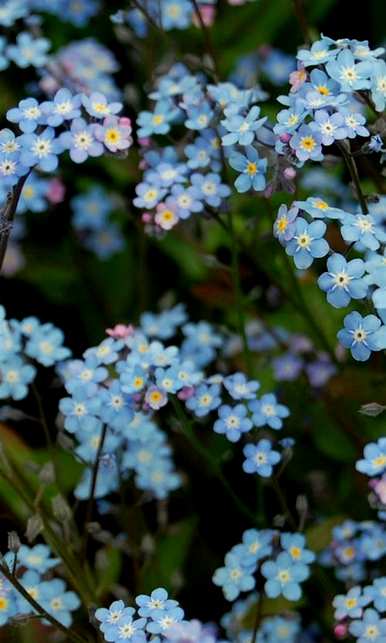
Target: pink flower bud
pixel 144 142
pixel 56 191
pixel 340 630
pixel 120 331
pixel 289 173
pixel 208 13
pixel 185 393
pixel 147 217
pixel 285 138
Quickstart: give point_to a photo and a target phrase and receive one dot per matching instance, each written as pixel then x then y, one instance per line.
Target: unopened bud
pixel 13 542
pixel 47 473
pixel 34 527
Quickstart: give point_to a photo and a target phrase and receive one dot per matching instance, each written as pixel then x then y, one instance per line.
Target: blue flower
pixel 330 126
pixel 242 129
pixel 307 144
pixel 199 118
pixel 376 593
pixel 267 412
pixel 362 335
pixel 186 200
pixel 234 577
pixel 294 545
pixel 176 14
pixel 318 53
pixel 354 123
pixel 374 461
pixel 232 422
pixel 350 75
pixel 157 122
pixel 362 228
pixel 163 619
pixel 253 170
pixel 256 545
pixel 41 150
pixel 378 85
pixel 350 605
pixel 63 107
pixel 205 399
pixel 284 577
pixel 45 344
pixel 80 410
pixel 15 377
pixel 148 195
pixel 284 226
pixel 239 387
pixel 157 601
pixel 37 558
pixel 307 243
pixel 370 628
pixel 319 208
pixel 97 105
pixel 343 280
pixel 209 188
pixel 28 115
pixel 260 458
pixel 28 50
pixel 116 407
pixel 57 601
pixel 81 142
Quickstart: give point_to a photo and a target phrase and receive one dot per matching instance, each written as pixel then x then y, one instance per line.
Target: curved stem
pixel 94 478
pixel 352 168
pixel 7 215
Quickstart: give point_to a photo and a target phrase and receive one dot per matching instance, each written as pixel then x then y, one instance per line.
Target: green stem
pixel 94 478
pixel 352 168
pixel 188 431
pixel 73 636
pixel 283 503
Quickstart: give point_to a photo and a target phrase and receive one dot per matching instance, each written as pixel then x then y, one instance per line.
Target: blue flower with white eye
pixel 37 558
pixel 319 208
pixel 186 200
pixel 239 387
pixel 57 601
pixel 105 242
pixel 354 123
pixel 267 412
pixel 284 577
pixel 253 170
pixel 167 379
pixel 41 150
pixel 232 422
pixel 242 129
pixel 205 399
pixel 198 153
pixel 295 546
pixel 370 628
pixel 330 126
pixel 350 605
pixel 307 243
pixel 158 121
pixel 81 142
pixel 79 12
pixel 199 117
pixel 256 545
pixel 28 50
pixel 97 105
pixel 260 458
pixel 364 229
pixel 318 53
pixel 374 460
pixel 343 280
pixel 11 169
pixel 307 144
pixel 116 407
pixel 31 581
pixel 15 377
pixel 362 335
pixel 350 75
pixel 81 411
pixel 284 226
pixel 28 115
pixel 234 577
pixel 45 344
pixel 376 593
pixel 288 120
pixel 209 188
pixel 63 107
pixel 148 195
pixel 378 85
pixel 163 619
pixel 176 14
pixel 33 195
pixel 107 351
pixel 156 602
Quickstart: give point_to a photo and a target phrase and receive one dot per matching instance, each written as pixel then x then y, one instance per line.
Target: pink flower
pixel 297 78
pixel 379 487
pixel 185 393
pixel 165 217
pixel 115 133
pixel 208 13
pixel 120 331
pixel 56 191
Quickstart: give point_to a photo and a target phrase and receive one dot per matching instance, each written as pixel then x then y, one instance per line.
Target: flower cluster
pixel 285 567
pixel 32 566
pixel 355 617
pixel 20 344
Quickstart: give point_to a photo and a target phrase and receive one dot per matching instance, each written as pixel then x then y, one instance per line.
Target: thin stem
pixel 187 429
pixel 43 422
pixel 302 20
pixel 90 505
pixel 7 215
pixel 73 636
pixel 352 168
pixel 257 620
pixel 283 503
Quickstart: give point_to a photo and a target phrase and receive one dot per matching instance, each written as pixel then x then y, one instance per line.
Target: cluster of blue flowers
pixel 33 567
pixel 92 128
pixel 285 567
pixel 92 222
pixel 20 344
pixel 354 616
